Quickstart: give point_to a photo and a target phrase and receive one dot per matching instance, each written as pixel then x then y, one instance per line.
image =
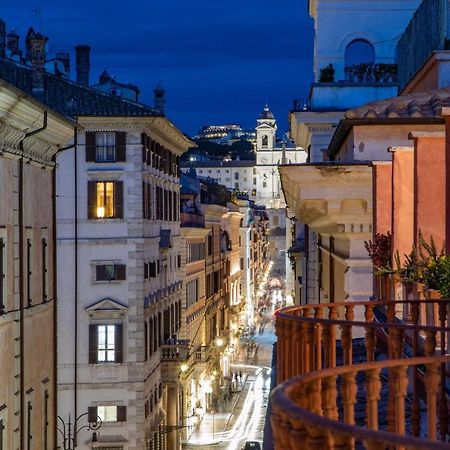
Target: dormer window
pixel 106 146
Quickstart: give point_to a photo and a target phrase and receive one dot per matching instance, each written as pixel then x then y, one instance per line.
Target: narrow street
pixel 245 421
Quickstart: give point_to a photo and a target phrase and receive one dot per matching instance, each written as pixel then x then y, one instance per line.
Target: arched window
pixel 265 141
pixel 359 51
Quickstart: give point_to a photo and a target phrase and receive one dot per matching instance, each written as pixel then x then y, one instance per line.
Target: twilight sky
pixel 219 60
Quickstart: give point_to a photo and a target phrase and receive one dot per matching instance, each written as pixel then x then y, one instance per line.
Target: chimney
pixel 159 98
pixel 12 42
pixel 37 43
pixel 64 57
pixel 2 39
pixel 82 63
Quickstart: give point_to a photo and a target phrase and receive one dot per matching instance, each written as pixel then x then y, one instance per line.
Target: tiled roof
pixel 69 98
pixel 418 108
pixel 418 105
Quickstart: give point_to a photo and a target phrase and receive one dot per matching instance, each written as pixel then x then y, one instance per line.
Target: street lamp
pixel 70 431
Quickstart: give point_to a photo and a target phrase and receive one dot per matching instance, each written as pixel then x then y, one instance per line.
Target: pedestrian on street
pixel 240 375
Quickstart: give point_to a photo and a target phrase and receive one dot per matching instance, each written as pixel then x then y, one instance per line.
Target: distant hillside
pixel 238 150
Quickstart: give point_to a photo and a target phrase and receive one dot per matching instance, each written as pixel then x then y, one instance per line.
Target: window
pixel 45 420
pixel 236 175
pixel 29 425
pixel 105 199
pixel 236 185
pixel 29 272
pixel 107 413
pixel 210 244
pixel 44 270
pixel 241 261
pixel 105 343
pixel 2 278
pixel 2 429
pixel 264 184
pixel 106 146
pixel 110 272
pixel 191 292
pixel 254 170
pixel 254 181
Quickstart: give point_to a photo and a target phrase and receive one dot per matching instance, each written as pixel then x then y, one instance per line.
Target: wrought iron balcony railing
pixel 332 350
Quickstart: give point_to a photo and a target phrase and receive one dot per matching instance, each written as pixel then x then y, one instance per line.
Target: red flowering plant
pixel 379 251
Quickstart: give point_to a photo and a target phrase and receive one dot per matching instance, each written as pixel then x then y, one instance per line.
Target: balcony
pixel 374 383
pixel 192 220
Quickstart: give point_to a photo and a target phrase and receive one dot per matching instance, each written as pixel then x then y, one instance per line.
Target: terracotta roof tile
pixel 422 104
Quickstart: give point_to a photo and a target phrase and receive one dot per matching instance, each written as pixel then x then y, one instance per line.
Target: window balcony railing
pixel 194 220
pixel 105 153
pixel 371 73
pixel 178 351
pixel 327 363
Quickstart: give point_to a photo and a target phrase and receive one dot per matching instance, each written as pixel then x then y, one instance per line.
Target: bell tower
pixel 266 130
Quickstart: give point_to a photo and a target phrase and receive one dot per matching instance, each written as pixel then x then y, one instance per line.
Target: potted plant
pixel 432 265
pixel 379 251
pixel 409 275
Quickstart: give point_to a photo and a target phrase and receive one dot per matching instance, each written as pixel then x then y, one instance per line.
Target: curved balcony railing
pixel 318 411
pixel 331 339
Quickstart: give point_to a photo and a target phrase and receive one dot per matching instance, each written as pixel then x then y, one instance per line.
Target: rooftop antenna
pixel 38 12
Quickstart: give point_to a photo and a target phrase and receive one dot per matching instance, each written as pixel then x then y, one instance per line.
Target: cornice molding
pixel 34 149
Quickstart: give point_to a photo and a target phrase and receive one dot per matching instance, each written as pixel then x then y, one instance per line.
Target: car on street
pixel 252 445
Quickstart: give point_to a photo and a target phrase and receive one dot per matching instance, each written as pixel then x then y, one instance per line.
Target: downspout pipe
pixel 55 284
pixel 22 280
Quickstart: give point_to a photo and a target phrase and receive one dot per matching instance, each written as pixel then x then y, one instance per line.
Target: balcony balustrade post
pixel 318 315
pixel 279 327
pixel 373 388
pixel 432 378
pixel 346 339
pixel 400 392
pixel 326 341
pixel 297 356
pixel 370 334
pixel 310 339
pixel 329 396
pixel 289 348
pixel 349 390
pixel 332 315
pixel 443 404
pixel 430 342
pixel 415 407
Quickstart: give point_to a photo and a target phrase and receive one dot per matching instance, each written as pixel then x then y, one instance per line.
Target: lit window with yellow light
pixel 105 199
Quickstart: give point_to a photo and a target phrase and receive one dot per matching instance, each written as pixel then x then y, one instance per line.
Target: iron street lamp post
pixel 70 431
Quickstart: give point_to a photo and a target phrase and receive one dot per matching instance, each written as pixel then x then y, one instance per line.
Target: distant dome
pixel 266 114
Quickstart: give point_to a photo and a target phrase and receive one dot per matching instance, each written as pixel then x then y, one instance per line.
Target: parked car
pixel 252 445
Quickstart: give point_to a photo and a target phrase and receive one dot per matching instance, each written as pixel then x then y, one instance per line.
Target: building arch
pixel 359 51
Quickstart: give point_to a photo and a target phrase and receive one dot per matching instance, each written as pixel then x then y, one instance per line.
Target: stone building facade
pixel 121 231
pixel 30 136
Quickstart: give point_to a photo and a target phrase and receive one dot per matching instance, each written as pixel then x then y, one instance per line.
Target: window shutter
pixel 92 199
pixel 118 199
pixel 145 271
pixel 92 414
pixel 121 146
pixel 90 146
pixel 93 345
pixel 121 272
pixel 121 414
pixel 100 273
pixel 118 339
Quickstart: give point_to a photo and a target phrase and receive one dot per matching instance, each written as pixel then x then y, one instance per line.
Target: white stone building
pixel 355 37
pixel 119 246
pixel 259 179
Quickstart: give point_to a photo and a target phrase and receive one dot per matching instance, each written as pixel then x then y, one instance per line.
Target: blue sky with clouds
pixel 219 60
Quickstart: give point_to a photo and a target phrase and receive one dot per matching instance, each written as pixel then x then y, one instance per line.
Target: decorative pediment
pixel 107 304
